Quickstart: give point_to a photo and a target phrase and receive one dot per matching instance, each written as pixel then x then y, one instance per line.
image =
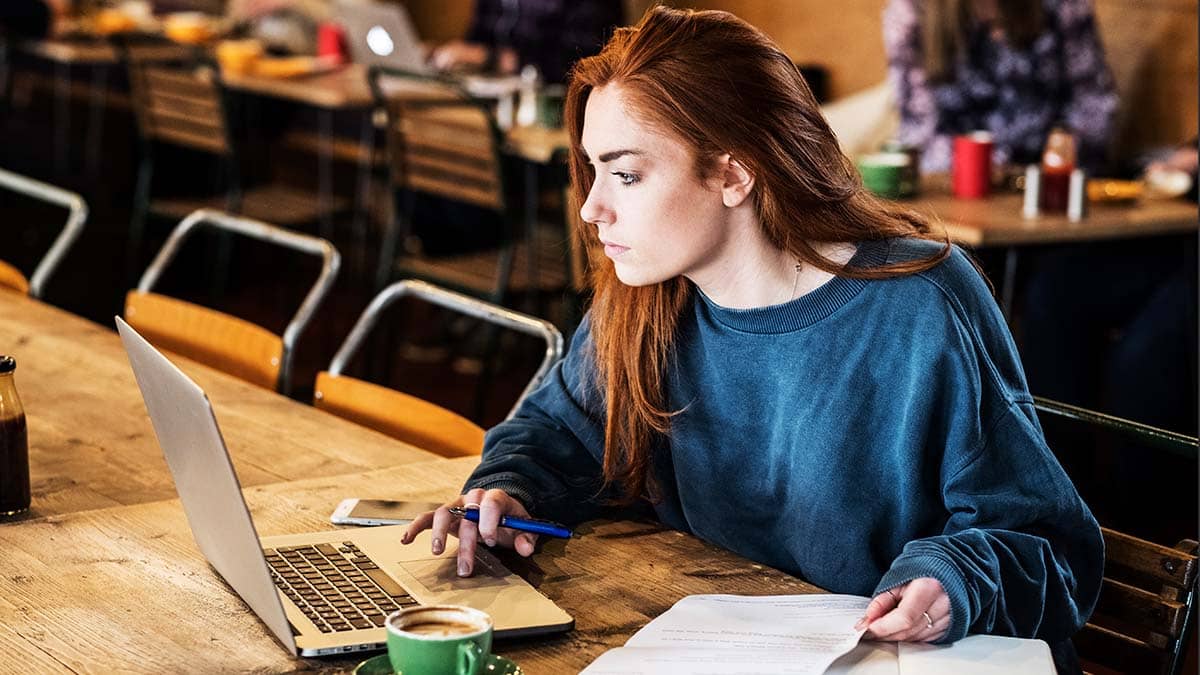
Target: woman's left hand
pixel 918 611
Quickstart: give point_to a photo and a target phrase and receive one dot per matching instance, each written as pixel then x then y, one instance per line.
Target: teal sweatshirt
pixel 863 435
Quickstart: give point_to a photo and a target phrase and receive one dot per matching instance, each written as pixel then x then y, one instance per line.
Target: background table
pixel 997 221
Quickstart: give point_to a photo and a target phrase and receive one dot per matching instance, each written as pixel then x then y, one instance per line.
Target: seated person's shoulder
pixel 955 277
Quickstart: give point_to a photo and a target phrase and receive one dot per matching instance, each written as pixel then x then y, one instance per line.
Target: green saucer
pixel 495 665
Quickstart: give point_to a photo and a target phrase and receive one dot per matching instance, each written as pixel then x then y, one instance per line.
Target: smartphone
pixel 378 512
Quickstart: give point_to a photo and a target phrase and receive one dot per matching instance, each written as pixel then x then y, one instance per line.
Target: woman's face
pixel 656 218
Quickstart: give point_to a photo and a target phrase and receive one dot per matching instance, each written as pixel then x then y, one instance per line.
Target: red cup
pixel 971 168
pixel 331 42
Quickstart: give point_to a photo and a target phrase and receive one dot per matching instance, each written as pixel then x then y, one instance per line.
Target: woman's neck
pixel 750 272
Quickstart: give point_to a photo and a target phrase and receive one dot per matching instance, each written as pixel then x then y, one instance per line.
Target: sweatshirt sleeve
pixel 549 454
pixel 1019 553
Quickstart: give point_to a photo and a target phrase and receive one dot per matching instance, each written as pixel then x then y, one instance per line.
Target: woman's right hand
pixel 492 504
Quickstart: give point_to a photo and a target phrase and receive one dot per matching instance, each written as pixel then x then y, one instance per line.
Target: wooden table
pixel 91 443
pixel 347 89
pixel 997 220
pixel 106 576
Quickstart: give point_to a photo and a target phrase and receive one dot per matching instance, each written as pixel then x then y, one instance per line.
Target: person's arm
pixel 1091 99
pixel 919 114
pixel 1019 553
pixel 544 462
pixel 549 454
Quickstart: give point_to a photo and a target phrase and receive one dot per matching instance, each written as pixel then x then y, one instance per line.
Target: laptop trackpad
pixel 440 575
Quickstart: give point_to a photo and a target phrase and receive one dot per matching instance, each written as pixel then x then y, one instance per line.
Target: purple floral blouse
pixel 1016 94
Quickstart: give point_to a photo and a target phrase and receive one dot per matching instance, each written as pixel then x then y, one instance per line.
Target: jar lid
pixel 7 364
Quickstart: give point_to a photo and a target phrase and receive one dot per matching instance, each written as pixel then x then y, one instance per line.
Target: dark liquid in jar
pixel 14 466
pixel 1056 185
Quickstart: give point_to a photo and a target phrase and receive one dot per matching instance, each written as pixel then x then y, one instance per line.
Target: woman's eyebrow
pixel 615 154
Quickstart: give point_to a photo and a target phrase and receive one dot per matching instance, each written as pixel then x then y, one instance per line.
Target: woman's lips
pixel 614 250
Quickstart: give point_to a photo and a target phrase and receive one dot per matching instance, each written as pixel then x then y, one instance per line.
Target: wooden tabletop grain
pixel 104 575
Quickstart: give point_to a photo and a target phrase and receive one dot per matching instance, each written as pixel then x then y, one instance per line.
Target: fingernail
pixel 861 623
pixel 464 569
pixel 490 542
pixel 437 546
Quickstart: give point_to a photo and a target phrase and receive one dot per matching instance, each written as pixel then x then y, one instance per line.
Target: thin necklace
pixel 795 284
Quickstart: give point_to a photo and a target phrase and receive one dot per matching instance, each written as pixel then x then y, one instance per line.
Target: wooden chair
pixel 184 105
pixel 445 143
pixel 225 342
pixel 1143 619
pixel 407 417
pixel 13 278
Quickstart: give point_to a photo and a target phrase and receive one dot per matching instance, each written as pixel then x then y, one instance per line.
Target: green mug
pixel 438 640
pixel 887 174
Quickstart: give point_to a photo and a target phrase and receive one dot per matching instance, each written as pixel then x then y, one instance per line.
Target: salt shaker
pixel 1033 191
pixel 1077 196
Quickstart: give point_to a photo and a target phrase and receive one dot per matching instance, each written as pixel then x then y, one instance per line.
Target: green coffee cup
pixel 438 640
pixel 887 174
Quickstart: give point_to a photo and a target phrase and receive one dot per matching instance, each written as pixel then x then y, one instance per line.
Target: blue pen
pixel 546 527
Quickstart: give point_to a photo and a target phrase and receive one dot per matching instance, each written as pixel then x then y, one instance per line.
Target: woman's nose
pixel 594 210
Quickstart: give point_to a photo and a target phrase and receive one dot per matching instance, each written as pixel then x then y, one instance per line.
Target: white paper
pixel 739 635
pixel 978 655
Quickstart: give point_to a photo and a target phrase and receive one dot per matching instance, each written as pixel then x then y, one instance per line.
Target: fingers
pixel 491 506
pixel 922 613
pixel 417 526
pixel 881 605
pixel 524 543
pixel 468 535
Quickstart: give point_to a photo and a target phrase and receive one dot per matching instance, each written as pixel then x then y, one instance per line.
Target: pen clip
pixel 457 511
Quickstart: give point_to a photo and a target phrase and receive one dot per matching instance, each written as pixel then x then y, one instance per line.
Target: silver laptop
pixel 380 33
pixel 322 592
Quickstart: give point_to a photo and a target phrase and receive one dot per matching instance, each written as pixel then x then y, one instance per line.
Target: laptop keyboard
pixel 336 586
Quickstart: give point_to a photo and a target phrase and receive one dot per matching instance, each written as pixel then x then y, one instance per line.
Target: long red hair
pixel 721 86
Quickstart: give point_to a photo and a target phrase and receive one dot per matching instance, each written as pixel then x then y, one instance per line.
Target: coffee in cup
pixel 438 640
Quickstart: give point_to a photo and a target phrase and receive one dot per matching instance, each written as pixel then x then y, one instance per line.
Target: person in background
pixel 781 364
pixel 31 18
pixel 506 35
pixel 1015 68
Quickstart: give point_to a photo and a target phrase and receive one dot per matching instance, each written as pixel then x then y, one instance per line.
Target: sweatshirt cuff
pixel 909 567
pixel 510 483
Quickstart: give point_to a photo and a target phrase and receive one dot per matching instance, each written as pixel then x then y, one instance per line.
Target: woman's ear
pixel 736 181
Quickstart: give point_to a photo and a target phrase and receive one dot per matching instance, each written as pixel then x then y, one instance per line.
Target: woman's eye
pixel 626 178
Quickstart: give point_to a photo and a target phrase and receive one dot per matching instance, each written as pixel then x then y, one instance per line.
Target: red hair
pixel 721 86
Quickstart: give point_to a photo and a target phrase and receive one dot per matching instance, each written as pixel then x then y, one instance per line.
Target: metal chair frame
pixel 78 213
pixel 331 262
pixel 1171 441
pixel 474 307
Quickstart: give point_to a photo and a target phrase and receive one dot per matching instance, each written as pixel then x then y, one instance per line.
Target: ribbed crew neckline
pixel 807 309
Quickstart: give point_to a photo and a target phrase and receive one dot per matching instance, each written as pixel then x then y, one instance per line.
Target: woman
pixel 1015 68
pixel 781 364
